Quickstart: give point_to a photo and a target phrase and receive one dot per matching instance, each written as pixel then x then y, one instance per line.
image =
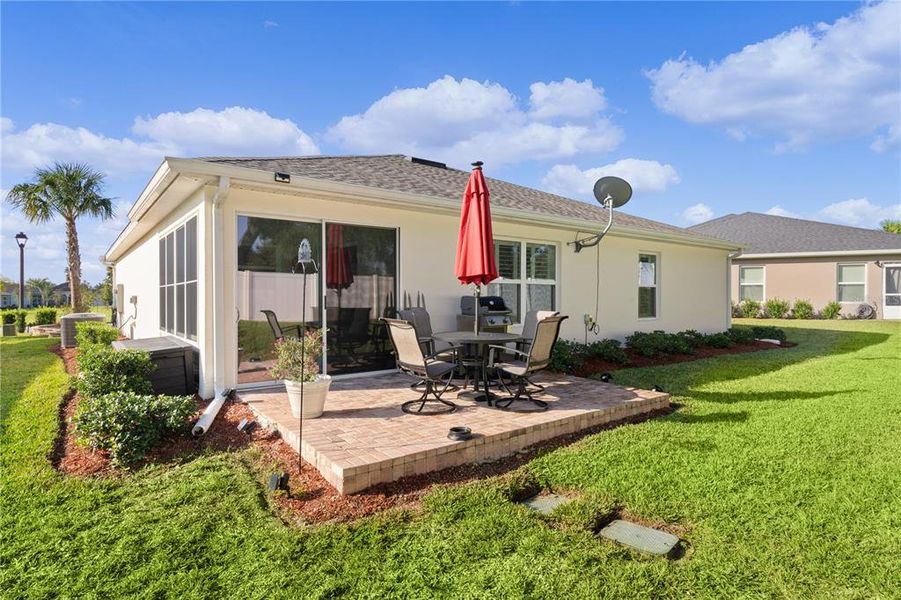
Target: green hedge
pixel 89 333
pixel 104 370
pixel 803 309
pixel 832 310
pixel 45 316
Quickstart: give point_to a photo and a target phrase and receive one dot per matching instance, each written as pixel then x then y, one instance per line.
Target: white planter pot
pixel 314 394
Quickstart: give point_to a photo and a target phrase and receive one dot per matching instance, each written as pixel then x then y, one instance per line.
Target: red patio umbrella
pixel 475 261
pixel 338 274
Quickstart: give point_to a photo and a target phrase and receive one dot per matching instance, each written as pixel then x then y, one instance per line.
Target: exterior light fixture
pixel 282 178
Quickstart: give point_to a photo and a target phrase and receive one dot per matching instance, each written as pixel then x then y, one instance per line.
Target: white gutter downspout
pixel 206 419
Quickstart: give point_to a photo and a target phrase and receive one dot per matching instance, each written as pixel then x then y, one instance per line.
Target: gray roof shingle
pixel 397 172
pixel 765 234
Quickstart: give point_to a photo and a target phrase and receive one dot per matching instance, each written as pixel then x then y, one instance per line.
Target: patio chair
pixel 411 360
pixel 277 330
pixel 536 359
pixel 422 322
pixel 529 325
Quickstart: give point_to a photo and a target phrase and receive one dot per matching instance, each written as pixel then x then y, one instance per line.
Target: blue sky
pixel 708 108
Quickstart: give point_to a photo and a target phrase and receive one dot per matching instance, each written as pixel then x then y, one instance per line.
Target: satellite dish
pixel 612 189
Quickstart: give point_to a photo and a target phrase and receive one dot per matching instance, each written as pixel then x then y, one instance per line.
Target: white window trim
pixel 161 235
pixel 740 284
pixel 839 284
pixel 657 303
pixel 524 281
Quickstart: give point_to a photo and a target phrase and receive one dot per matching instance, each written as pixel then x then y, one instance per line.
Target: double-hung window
pixel 750 283
pixel 527 276
pixel 178 280
pixel 852 283
pixel 647 286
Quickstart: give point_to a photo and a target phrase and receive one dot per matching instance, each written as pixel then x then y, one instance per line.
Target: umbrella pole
pixel 475 325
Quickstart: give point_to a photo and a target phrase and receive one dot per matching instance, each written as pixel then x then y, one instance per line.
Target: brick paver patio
pixel 363 438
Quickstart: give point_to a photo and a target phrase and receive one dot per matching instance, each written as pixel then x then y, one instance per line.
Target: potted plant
pixel 297 360
pixel 9 323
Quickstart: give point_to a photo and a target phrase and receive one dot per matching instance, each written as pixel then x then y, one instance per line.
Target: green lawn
pixel 783 468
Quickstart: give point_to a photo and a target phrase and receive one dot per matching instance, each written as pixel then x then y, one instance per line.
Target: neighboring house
pixel 211 242
pixel 61 295
pixel 821 262
pixel 8 299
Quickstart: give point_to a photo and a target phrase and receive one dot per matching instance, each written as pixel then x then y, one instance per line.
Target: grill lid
pixel 487 305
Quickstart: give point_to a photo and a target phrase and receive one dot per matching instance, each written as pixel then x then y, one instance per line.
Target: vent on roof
pixel 428 163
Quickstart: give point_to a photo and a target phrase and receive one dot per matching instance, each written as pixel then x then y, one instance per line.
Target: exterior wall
pixel 692 281
pixel 138 271
pixel 814 279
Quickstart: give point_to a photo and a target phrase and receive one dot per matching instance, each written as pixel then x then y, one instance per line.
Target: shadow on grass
pixel 717 417
pixel 24 359
pixel 735 397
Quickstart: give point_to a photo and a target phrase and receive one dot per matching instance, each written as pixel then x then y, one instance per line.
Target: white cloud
pixel 810 84
pixel 566 99
pixel 459 121
pixel 778 211
pixel 696 214
pixel 645 176
pixel 268 24
pixel 859 212
pixel 234 130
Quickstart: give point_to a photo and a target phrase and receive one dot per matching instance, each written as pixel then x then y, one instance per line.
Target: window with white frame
pixel 527 276
pixel 647 286
pixel 178 280
pixel 750 283
pixel 852 283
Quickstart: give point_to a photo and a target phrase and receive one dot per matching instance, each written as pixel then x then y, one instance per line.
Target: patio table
pixel 482 340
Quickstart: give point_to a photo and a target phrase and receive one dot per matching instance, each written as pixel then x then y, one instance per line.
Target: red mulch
pixel 593 366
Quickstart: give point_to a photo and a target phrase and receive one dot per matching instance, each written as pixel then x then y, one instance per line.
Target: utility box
pixel 175 372
pixel 67 326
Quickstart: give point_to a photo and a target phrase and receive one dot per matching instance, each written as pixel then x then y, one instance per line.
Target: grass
pixel 782 467
pixel 30 319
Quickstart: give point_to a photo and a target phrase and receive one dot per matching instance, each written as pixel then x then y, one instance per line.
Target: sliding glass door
pixel 356 282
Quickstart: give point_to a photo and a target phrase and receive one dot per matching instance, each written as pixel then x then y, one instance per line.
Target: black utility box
pixel 175 373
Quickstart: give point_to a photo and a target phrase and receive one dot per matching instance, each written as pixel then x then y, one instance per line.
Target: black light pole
pixel 306 265
pixel 21 238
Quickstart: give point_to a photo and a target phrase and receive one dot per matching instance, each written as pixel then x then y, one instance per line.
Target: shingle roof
pixel 399 173
pixel 765 234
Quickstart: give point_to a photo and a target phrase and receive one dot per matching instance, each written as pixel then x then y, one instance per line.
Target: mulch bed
pixel 595 366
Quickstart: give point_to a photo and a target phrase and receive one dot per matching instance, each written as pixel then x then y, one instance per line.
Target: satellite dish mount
pixel 610 192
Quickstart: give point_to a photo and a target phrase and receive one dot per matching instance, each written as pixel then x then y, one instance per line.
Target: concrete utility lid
pixel 545 503
pixel 642 538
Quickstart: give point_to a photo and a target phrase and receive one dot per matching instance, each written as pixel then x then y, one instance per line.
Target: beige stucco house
pixel 212 242
pixel 798 259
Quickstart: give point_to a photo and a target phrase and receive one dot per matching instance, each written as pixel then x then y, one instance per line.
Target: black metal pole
pixel 303 364
pixel 21 276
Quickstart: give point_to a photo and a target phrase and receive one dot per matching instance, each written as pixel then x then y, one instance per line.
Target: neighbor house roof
pixel 401 173
pixel 770 234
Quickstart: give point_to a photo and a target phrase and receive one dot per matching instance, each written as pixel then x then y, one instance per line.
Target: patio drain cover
pixel 545 503
pixel 642 538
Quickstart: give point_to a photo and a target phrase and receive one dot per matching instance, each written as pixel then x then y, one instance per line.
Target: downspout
pixel 206 419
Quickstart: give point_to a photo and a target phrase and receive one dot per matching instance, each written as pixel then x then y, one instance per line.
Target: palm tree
pixel 70 191
pixel 891 225
pixel 43 286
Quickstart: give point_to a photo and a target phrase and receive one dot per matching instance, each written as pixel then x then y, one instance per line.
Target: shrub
pixel 775 308
pixel 741 335
pixel 736 310
pixel 803 309
pixel 20 320
pixel 693 338
pixel 9 317
pixel 831 310
pixel 766 332
pixel 89 333
pixel 718 340
pixel 45 316
pixel 129 424
pixel 567 356
pixel 288 352
pixel 104 370
pixel 749 308
pixel 609 350
pixel 658 342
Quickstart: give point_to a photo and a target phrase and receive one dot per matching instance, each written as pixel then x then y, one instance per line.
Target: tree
pixel 891 225
pixel 43 286
pixel 68 191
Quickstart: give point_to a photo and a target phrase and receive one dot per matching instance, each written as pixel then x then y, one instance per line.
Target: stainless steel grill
pixel 494 316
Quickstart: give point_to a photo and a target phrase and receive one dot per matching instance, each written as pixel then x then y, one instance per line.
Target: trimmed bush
pixel 775 308
pixel 128 425
pixel 749 308
pixel 718 340
pixel 658 342
pixel 803 309
pixel 831 310
pixel 766 332
pixel 89 333
pixel 45 316
pixel 104 371
pixel 9 317
pixel 741 335
pixel 693 338
pixel 20 320
pixel 609 350
pixel 736 310
pixel 567 356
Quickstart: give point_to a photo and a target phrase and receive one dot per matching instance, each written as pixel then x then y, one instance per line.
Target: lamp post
pixel 21 238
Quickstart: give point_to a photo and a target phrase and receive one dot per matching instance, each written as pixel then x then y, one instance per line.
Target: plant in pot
pixel 9 323
pixel 297 359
